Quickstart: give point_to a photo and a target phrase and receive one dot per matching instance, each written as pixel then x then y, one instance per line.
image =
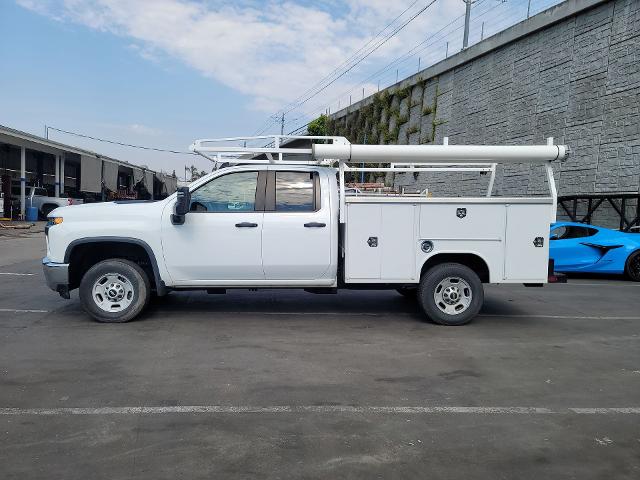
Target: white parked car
pixel 279 223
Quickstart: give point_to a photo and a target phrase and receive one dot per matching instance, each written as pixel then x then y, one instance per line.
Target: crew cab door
pixel 221 238
pixel 296 237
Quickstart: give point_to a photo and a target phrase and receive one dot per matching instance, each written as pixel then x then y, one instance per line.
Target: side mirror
pixel 183 201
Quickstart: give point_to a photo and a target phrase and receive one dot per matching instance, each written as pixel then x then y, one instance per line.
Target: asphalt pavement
pixel 545 383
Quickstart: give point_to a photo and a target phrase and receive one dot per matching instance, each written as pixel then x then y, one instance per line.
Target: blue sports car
pixel 577 247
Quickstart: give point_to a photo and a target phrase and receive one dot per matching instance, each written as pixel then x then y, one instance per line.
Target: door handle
pixel 246 225
pixel 315 225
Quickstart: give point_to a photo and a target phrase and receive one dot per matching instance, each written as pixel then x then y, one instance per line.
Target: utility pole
pixel 419 63
pixel 528 8
pixel 467 17
pixel 282 124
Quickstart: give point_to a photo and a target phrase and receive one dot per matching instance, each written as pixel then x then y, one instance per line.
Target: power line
pixel 319 87
pixel 395 32
pixel 419 47
pixel 353 56
pixel 122 144
pixel 416 49
pixel 403 57
pixel 274 118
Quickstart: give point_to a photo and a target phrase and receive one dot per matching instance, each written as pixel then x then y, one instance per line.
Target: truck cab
pixel 257 225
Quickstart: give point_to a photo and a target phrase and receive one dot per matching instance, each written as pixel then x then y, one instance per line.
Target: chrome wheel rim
pixel 453 295
pixel 113 292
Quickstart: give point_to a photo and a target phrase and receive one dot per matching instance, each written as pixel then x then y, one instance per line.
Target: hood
pixel 109 210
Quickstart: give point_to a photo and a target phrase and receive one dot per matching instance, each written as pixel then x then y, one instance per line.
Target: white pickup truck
pixel 280 218
pixel 39 197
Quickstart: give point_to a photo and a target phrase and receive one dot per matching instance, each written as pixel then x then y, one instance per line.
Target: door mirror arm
pixel 181 208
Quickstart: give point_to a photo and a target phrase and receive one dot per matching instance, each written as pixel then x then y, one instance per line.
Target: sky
pixel 162 73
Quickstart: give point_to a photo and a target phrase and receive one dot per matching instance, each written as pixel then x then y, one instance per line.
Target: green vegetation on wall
pixel 377 121
pixel 319 126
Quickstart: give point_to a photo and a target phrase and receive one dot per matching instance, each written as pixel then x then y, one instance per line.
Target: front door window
pixel 235 192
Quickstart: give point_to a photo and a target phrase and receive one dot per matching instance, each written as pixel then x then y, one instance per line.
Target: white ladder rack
pixel 235 150
pixel 327 150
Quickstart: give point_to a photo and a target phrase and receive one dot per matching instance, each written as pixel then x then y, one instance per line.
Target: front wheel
pixel 450 294
pixel 632 268
pixel 114 291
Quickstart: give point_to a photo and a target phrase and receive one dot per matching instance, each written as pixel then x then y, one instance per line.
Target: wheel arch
pixel 472 260
pixel 43 208
pixel 84 246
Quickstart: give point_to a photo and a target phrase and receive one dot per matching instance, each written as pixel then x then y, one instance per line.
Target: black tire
pixel 470 297
pixel 139 283
pixel 46 210
pixel 632 267
pixel 408 292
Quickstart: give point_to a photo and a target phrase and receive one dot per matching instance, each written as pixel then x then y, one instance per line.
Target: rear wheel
pixel 114 291
pixel 450 294
pixel 632 268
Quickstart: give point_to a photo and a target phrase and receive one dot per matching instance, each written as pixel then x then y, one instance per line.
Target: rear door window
pixel 296 192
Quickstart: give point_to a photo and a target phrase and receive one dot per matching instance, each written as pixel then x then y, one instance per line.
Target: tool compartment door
pixel 380 242
pixel 527 243
pixel 362 250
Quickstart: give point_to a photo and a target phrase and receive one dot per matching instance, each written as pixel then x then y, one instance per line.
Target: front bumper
pixel 57 276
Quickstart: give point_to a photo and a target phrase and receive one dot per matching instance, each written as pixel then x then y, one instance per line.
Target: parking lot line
pixel 562 317
pixel 18 274
pixel 325 409
pixel 598 284
pixel 18 310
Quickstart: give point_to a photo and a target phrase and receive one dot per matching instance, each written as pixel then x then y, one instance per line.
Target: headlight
pixel 54 221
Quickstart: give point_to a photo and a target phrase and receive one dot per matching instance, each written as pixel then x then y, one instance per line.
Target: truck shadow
pixel 374 306
pixel 287 302
pixel 377 306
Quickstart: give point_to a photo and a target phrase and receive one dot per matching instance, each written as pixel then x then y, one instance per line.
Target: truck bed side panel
pixel 503 234
pixel 381 242
pixel 526 259
pixel 472 228
pixel 362 262
pixel 398 243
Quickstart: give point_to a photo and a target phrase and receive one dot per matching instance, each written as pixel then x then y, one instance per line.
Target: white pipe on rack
pixel 447 153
